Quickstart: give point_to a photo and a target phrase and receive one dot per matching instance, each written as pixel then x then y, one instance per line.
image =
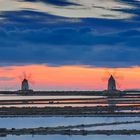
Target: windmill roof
pixel 25 80
pixel 111 77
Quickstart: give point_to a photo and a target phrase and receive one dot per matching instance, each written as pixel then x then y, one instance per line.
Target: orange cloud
pixel 68 77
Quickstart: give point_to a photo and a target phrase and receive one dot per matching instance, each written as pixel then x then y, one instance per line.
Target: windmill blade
pixel 31 82
pixel 104 79
pixel 24 75
pixel 29 76
pixel 114 72
pixel 108 73
pixel 118 84
pixel 119 77
pixel 20 77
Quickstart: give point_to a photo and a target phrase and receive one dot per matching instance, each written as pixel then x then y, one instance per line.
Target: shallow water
pixel 29 122
pixel 59 137
pixel 61 101
pixel 15 97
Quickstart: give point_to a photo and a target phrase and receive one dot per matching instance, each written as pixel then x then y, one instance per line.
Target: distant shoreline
pixel 71 93
pixel 99 111
pixel 67 116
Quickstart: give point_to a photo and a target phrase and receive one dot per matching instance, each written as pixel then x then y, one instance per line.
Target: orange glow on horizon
pixel 67 77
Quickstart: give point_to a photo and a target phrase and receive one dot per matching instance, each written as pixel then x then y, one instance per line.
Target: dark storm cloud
pixel 29 37
pixel 54 2
pixel 67 46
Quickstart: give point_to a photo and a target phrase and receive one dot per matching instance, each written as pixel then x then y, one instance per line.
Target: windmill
pixel 26 81
pixel 114 78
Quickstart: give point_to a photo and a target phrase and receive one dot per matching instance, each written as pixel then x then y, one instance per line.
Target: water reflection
pixel 20 97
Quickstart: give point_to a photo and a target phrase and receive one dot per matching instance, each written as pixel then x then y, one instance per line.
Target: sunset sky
pixel 69 44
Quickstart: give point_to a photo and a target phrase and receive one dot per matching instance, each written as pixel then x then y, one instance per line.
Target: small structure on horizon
pixel 111 84
pixel 25 85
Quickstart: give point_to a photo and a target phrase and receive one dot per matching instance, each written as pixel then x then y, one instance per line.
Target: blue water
pixel 29 122
pixel 59 137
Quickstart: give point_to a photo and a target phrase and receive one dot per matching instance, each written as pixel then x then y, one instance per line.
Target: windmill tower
pixel 111 84
pixel 25 85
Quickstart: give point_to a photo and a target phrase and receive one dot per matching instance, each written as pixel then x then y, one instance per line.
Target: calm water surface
pixel 59 137
pixel 29 122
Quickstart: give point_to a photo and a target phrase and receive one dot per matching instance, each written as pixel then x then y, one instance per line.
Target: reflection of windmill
pixel 113 79
pixel 26 79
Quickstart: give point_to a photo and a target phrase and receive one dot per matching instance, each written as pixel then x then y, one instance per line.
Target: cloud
pixel 37 37
pixel 54 2
pixel 67 46
pixel 3 78
pixel 110 9
pixel 70 36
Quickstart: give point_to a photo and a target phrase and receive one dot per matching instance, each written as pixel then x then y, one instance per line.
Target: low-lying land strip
pixel 70 111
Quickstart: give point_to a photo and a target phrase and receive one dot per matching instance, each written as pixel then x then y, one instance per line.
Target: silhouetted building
pixel 25 85
pixel 111 84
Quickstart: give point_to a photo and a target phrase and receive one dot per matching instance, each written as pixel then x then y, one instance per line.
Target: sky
pixel 70 44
